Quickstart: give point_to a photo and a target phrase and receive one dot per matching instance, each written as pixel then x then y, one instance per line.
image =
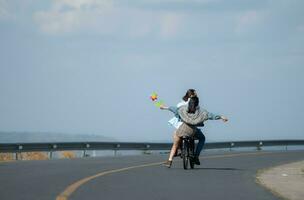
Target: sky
pixel 89 66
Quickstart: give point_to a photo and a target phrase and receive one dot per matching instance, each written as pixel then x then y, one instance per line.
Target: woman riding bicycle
pixel 192 117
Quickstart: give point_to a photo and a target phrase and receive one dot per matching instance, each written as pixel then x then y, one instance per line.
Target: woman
pixel 175 121
pixel 192 117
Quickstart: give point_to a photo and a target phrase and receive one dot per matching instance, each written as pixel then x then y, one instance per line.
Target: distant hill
pixel 27 137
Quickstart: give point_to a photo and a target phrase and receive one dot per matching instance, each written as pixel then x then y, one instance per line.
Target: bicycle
pixel 187 151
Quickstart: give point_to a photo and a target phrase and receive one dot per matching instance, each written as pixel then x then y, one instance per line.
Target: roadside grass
pixel 6 157
pixel 34 156
pixel 67 154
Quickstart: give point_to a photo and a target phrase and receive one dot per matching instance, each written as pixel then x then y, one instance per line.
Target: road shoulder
pixel 285 181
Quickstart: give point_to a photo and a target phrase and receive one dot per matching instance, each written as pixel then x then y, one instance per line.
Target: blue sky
pixel 89 66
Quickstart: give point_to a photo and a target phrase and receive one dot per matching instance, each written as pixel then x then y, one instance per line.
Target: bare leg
pixel 176 141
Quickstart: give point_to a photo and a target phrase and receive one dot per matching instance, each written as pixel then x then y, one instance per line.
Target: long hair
pixel 193 103
pixel 189 93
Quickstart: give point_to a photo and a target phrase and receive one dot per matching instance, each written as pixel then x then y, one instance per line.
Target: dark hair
pixel 192 105
pixel 189 93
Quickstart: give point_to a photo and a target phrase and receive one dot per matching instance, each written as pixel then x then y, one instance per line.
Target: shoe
pixel 196 160
pixel 168 163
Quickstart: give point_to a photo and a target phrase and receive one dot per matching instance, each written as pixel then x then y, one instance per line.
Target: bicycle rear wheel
pixel 191 154
pixel 185 154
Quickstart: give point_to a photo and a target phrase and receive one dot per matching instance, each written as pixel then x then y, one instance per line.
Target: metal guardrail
pixel 31 147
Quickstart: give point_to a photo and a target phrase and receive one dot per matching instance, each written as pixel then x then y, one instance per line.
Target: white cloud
pixel 105 17
pixel 246 21
pixel 4 13
pixel 170 24
pixel 178 1
pixel 70 15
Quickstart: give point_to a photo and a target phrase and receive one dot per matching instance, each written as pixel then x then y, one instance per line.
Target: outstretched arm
pixel 171 108
pixel 212 116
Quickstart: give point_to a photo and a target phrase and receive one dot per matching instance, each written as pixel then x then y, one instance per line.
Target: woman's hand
pixel 225 119
pixel 163 107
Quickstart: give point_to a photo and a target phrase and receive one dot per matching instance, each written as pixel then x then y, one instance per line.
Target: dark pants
pixel 201 141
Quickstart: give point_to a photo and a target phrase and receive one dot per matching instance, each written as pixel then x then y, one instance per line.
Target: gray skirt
pixel 186 130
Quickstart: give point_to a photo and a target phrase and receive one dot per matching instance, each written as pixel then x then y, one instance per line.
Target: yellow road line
pixel 73 187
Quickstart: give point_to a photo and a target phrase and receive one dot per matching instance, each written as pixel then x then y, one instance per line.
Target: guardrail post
pixel 147 151
pixel 231 146
pixel 88 147
pixel 259 147
pixel 51 152
pixel 18 153
pixel 116 149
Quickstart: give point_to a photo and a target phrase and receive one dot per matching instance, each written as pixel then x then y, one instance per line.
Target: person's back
pixel 175 121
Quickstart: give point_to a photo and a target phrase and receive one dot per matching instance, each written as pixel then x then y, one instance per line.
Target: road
pixel 225 175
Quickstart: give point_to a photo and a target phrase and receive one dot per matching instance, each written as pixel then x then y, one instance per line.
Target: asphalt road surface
pixel 225 175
